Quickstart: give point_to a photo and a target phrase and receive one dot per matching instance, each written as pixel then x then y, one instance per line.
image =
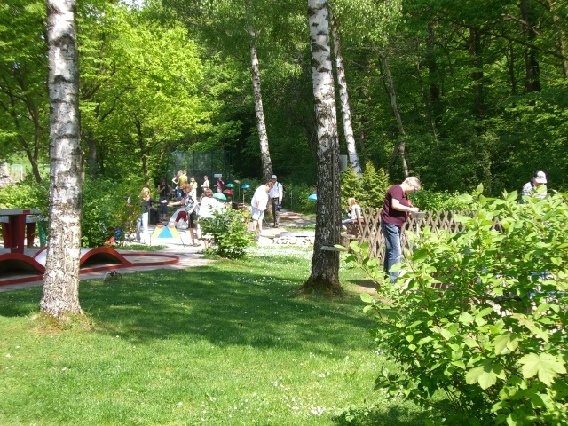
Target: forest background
pixel 476 91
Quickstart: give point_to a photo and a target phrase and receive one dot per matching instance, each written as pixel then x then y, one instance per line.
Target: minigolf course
pixel 30 265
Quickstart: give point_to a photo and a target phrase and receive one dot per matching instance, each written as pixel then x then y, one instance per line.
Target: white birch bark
pixel 325 261
pixel 258 105
pixel 344 97
pixel 61 279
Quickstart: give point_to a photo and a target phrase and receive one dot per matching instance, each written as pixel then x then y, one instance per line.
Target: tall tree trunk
pixel 427 103
pixel 400 146
pixel 344 96
pixel 474 47
pixel 554 8
pixel 433 74
pixel 143 151
pixel 61 279
pixel 258 106
pixel 92 154
pixel 511 67
pixel 325 259
pixel 532 66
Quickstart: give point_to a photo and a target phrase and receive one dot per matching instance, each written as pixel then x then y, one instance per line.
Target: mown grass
pixel 230 343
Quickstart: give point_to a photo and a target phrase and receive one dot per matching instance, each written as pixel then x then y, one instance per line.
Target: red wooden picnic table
pixel 14 229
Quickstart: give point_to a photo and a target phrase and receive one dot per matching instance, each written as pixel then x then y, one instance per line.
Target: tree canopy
pixel 481 87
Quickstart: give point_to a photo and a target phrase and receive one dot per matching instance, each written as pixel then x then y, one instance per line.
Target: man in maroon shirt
pixel 396 209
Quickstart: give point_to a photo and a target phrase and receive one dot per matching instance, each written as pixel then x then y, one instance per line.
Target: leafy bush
pixel 350 186
pixel 374 186
pixel 428 200
pixel 25 194
pixel 369 189
pixel 296 198
pixel 480 316
pixel 108 204
pixel 104 205
pixel 229 230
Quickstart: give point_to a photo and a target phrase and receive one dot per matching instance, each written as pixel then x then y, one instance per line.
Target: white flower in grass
pixel 317 411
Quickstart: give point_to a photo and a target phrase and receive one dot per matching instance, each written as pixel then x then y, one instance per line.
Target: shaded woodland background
pixel 479 87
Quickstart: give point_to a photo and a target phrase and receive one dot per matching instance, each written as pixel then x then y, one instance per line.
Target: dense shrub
pixel 108 204
pixel 229 230
pixel 428 200
pixel 296 198
pixel 480 316
pixel 369 189
pixel 25 194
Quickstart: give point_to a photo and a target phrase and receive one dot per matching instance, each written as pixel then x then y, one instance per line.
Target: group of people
pixel 180 180
pixel 190 207
pixel 397 207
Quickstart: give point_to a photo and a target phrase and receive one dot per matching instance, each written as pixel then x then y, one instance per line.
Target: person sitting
pixel 209 205
pixel 354 212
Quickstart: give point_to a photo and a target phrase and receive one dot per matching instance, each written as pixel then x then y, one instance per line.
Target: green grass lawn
pixel 230 343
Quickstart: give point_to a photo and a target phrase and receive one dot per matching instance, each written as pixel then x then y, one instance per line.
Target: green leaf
pixel 547 367
pixel 504 343
pixel 366 298
pixel 465 318
pixel 480 375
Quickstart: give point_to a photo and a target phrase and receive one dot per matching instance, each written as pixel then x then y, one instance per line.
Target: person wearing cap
pixel 536 187
pixel 275 196
pixel 396 208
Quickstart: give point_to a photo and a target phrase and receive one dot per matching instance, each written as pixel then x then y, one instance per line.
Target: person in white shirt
pixel 536 187
pixel 354 211
pixel 204 185
pixel 209 205
pixel 259 203
pixel 275 196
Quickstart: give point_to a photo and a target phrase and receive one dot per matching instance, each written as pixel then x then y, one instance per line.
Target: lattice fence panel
pixel 369 228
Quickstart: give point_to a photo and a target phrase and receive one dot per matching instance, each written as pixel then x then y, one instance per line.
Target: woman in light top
pixel 354 211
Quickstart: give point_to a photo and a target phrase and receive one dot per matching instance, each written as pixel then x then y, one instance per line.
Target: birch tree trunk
pixel 532 65
pixel 325 259
pixel 258 106
pixel 400 148
pixel 344 96
pixel 61 279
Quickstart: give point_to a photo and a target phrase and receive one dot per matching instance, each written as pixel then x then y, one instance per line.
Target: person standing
pixel 220 184
pixel 163 190
pixel 536 187
pixel 204 185
pixel 187 213
pixel 182 181
pixel 396 208
pixel 259 203
pixel 275 196
pixel 142 226
pixel 175 181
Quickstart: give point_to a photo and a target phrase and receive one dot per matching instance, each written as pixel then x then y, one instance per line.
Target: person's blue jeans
pixel 392 249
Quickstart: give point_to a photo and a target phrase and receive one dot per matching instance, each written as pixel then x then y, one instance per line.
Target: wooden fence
pixel 368 228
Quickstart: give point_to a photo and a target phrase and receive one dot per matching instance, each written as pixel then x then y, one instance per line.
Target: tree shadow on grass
pixel 241 308
pixel 377 416
pixel 225 308
pixel 20 303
